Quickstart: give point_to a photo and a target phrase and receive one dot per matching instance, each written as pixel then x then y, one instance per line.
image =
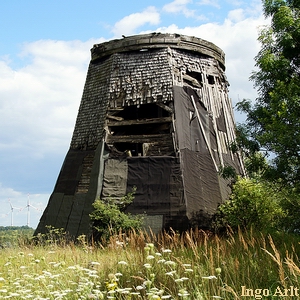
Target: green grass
pixel 194 265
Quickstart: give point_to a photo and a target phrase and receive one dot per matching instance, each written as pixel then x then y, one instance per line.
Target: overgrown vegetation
pixel 136 265
pixel 109 217
pixel 259 204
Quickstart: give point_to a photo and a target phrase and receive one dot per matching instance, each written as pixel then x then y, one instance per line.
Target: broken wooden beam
pixel 139 122
pixel 137 138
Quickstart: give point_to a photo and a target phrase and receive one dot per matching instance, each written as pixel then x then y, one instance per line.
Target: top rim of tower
pixel 158 40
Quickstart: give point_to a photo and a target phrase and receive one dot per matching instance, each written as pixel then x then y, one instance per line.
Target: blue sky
pixel 44 56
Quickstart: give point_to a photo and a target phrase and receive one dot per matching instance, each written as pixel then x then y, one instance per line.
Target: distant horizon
pixel 27 227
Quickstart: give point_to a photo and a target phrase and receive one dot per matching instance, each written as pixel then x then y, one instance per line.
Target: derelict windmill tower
pixel 154 114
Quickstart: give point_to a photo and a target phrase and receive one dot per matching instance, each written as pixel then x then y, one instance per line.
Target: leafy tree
pixel 273 122
pixel 255 161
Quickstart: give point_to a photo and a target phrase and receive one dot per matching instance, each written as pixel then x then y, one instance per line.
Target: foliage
pixel 109 217
pixel 252 204
pixel 194 265
pixel 255 161
pixel 12 236
pixel 273 122
pixel 19 228
pixel 52 237
pixel 290 203
pixel 227 172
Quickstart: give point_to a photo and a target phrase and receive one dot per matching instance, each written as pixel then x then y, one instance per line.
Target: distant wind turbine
pixel 28 210
pixel 12 212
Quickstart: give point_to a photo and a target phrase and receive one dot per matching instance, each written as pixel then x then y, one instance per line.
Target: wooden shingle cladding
pixel 139 77
pixel 154 114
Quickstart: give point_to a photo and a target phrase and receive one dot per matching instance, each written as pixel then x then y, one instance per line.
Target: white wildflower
pixel 166 251
pixel 13 295
pixel 184 278
pixel 171 273
pixel 147 283
pixel 149 257
pixel 72 268
pixel 94 263
pixel 170 263
pixel 188 270
pixel 209 277
pixel 183 293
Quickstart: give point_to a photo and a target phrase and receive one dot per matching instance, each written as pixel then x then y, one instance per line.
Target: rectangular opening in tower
pixel 140 130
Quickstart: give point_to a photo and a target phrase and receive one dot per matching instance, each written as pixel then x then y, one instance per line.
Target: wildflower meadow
pixel 139 265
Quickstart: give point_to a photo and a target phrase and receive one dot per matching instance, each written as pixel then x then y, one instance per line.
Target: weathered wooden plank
pixel 139 122
pixel 165 107
pixel 114 118
pixel 115 109
pixel 138 138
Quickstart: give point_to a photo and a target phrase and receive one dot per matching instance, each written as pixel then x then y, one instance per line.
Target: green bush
pixel 290 203
pixel 109 217
pixel 252 204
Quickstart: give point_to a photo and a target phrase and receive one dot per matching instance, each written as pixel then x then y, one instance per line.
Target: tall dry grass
pixel 192 265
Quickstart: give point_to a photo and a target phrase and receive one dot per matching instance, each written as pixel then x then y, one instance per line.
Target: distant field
pixel 14 235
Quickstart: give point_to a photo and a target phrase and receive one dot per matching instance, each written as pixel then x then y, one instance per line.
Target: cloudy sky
pixel 44 56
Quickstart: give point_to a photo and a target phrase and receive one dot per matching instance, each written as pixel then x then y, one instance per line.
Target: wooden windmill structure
pixel 154 114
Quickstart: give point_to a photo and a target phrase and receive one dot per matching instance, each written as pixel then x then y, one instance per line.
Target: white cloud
pixel 129 24
pixel 179 6
pixel 214 3
pixel 237 2
pixel 236 15
pixel 39 102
